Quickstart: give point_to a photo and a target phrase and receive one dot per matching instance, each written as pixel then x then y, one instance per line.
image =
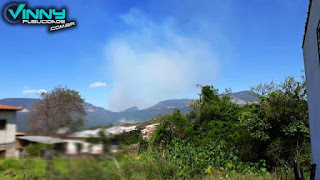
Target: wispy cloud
pixel 33 91
pixel 97 84
pixel 154 62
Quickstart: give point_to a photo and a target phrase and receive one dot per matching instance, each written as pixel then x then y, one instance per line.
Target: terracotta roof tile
pixel 4 107
pixel 20 134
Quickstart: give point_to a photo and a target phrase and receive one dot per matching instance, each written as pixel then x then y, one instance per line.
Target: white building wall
pixel 312 69
pixel 8 135
pixel 86 147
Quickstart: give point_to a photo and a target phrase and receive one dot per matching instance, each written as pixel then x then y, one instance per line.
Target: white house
pixel 8 131
pixel 65 146
pixel 148 130
pixel 108 132
pixel 311 53
pixel 87 148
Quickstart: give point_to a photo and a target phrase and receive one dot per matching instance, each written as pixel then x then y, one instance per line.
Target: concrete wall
pixel 312 69
pixel 86 147
pixel 8 135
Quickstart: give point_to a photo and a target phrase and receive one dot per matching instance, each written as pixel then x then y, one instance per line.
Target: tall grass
pixel 133 167
pixel 14 169
pixel 61 168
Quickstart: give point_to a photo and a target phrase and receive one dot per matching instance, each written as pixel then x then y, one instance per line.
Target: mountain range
pixel 98 116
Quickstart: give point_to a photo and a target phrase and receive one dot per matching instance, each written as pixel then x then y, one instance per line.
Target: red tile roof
pixel 4 107
pixel 20 134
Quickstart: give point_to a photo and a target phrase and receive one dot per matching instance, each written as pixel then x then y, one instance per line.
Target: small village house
pixel 69 145
pixel 148 130
pixel 116 130
pixel 8 131
pixel 62 145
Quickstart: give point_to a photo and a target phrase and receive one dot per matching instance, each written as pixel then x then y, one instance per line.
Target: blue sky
pixel 142 52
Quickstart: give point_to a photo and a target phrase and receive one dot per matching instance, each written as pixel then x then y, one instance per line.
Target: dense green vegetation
pixel 59 168
pixel 217 139
pixel 126 139
pixel 256 138
pixel 141 167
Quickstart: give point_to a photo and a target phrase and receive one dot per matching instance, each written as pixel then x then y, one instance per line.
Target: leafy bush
pixel 191 160
pixel 79 147
pixel 127 138
pixel 38 148
pixel 270 134
pixel 279 124
pixel 148 168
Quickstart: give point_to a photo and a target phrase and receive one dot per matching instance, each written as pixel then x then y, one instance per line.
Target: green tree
pixel 79 147
pixel 280 121
pixel 218 117
pixel 104 140
pixel 172 126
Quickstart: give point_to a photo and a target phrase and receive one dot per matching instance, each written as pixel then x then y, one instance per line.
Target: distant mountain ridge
pixel 18 102
pixel 132 109
pixel 98 116
pixel 248 96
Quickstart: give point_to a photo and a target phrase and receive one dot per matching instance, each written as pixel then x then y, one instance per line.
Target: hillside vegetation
pixel 217 134
pixel 217 139
pixel 98 116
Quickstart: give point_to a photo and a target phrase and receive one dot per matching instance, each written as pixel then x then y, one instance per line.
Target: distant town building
pixel 62 145
pixel 108 132
pixel 86 148
pixel 311 53
pixel 70 145
pixel 8 131
pixel 59 144
pixel 146 132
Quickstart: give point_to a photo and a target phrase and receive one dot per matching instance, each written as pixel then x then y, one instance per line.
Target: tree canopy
pixel 274 130
pixel 58 113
